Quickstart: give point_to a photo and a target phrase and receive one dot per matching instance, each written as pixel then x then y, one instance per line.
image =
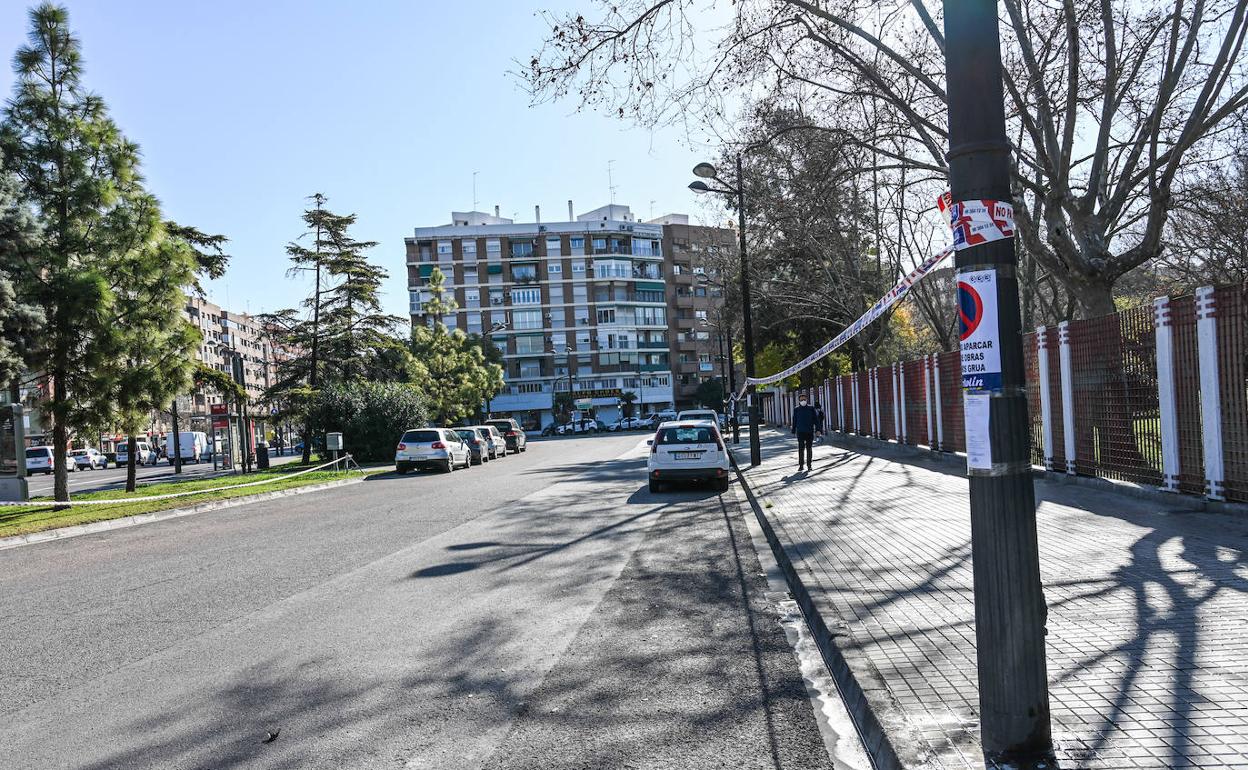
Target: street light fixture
pixel 707 171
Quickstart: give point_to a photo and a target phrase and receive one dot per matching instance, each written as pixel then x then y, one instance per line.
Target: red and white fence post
pixel 927 396
pixel 1046 398
pixel 853 400
pixel 1068 395
pixel 1210 394
pixel 940 419
pixel 877 426
pixel 1167 398
pixel 901 402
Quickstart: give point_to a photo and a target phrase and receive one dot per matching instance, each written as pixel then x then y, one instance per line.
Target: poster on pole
pixel 978 330
pixel 978 441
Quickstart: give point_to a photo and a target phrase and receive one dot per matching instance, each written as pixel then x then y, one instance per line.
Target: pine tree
pixel 340 331
pixel 79 174
pixel 19 322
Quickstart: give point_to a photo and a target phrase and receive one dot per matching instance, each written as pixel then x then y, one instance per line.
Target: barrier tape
pixel 972 223
pixel 888 300
pixel 172 495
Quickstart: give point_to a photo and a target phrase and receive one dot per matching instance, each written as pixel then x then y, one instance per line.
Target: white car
pixel 683 451
pixel 88 459
pixel 699 414
pixel 39 458
pixel 583 425
pixel 440 448
pixel 627 423
pixel 144 456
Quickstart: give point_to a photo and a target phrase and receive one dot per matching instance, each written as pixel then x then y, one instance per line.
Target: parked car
pixel 440 448
pixel 191 445
pixel 583 425
pixel 687 451
pixel 550 429
pixel 88 459
pixel 39 458
pixel 699 414
pixel 626 423
pixel 495 440
pixel 478 448
pixel 513 434
pixel 145 455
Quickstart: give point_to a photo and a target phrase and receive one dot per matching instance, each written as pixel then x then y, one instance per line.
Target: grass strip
pixel 42 514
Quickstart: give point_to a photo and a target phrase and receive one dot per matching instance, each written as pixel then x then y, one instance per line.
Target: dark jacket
pixel 805 419
pixel 820 425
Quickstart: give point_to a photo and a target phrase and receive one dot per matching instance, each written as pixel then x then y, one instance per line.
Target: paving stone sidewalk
pixel 1148 608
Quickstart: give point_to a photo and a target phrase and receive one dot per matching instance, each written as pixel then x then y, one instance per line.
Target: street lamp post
pixel 1010 611
pixel 707 171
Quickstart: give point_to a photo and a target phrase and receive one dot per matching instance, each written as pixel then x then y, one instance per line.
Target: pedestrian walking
pixel 805 419
pixel 820 424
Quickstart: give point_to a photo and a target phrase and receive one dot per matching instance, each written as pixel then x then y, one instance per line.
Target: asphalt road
pixel 113 477
pixel 542 611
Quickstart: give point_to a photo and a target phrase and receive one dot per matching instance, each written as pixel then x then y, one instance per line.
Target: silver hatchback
pixel 497 444
pixel 440 448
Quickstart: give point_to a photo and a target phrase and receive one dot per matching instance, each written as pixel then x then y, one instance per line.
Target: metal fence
pixel 1154 395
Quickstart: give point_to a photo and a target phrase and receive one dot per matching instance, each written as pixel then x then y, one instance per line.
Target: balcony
pixel 654 367
pixel 649 345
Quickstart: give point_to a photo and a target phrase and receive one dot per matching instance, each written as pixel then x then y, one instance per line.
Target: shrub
pixel 371 415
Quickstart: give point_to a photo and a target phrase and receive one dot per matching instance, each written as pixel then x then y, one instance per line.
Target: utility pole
pixel 756 448
pixel 1009 600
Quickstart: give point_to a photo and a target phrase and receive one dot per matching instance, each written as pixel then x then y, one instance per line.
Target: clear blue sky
pixel 243 109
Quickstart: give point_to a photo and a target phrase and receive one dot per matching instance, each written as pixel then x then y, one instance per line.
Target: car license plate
pixel 687 455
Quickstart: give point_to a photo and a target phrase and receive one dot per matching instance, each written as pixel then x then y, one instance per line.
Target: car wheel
pixel 524 448
pixel 448 466
pixel 401 470
pixel 657 486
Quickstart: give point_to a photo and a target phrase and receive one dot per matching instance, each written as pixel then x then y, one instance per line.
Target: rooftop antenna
pixel 474 191
pixel 652 209
pixel 610 183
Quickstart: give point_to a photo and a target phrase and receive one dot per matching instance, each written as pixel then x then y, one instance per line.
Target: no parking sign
pixel 977 324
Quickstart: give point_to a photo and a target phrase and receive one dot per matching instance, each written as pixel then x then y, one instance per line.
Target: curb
pixel 1186 502
pixel 880 749
pixel 60 533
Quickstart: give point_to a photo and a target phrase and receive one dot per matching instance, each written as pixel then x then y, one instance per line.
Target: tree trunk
pixel 1095 296
pixel 307 442
pixel 60 438
pixel 133 444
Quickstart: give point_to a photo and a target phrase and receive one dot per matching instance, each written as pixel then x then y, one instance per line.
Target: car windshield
pixel 485 432
pixel 467 434
pixel 421 437
pixel 502 425
pixel 687 434
pixel 37 453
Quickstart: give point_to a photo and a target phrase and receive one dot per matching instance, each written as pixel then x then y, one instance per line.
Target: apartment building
pixel 226 335
pixel 584 304
pixel 696 258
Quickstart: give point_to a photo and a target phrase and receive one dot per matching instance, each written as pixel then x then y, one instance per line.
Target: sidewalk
pixel 1148 608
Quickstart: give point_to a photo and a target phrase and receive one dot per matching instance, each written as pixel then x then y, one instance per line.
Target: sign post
pixel 1009 601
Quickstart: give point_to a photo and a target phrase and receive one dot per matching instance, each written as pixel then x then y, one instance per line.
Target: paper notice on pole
pixel 978 330
pixel 978 443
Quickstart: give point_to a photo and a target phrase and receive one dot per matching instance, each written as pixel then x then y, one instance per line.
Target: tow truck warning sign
pixel 977 321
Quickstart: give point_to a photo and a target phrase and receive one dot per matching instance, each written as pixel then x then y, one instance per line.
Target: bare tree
pixel 1109 101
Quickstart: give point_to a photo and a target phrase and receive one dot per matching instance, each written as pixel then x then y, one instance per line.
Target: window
pixel 699 291
pixel 493 248
pixel 526 319
pixel 444 251
pixel 578 266
pixel 521 249
pixel 579 292
pixel 470 275
pixel 553 246
pixel 700 315
pixel 601 294
pixel 600 245
pixel 651 316
pixel 556 293
pixel 576 245
pixel 469 248
pixel 474 323
pixel 530 369
pixel 649 296
pixel 646 248
pixel 554 268
pixel 612 268
pixel 530 344
pixel 526 296
pixel 606 315
pixel 523 273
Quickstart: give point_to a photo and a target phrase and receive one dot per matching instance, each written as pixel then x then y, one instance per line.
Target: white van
pixel 192 445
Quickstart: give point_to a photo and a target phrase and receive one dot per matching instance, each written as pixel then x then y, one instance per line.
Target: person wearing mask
pixel 805 420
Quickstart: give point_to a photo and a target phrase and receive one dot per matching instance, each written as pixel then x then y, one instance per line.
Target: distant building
pixel 587 304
